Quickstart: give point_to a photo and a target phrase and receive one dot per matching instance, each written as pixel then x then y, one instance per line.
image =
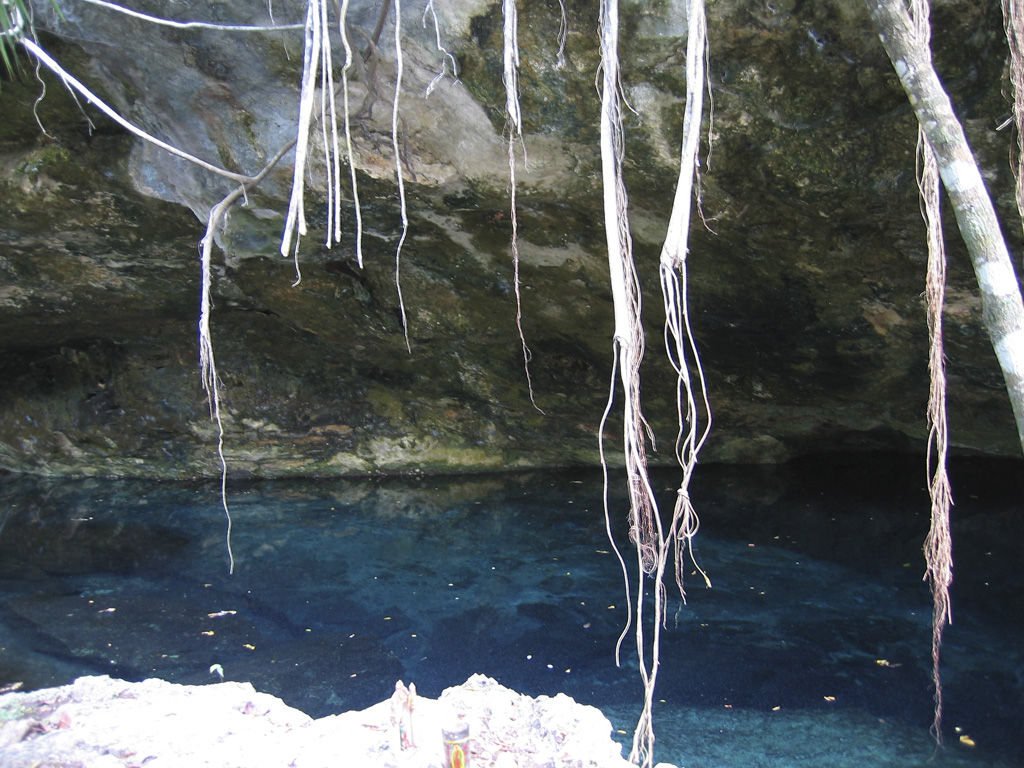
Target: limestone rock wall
pixel 806 281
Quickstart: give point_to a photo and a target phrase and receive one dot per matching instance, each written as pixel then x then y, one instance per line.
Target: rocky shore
pixel 101 722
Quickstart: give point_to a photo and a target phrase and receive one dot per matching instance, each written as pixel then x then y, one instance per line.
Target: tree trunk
pixel 1002 307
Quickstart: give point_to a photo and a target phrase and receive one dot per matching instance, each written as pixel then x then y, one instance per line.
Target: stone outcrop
pixel 806 281
pixel 100 721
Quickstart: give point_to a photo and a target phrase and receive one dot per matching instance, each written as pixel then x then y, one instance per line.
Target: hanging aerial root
pixel 628 348
pixel 938 546
pixel 347 120
pixel 514 123
pixel 329 128
pixel 207 361
pixel 1013 25
pixel 399 66
pixel 295 218
pixel 447 58
pixel 318 59
pixel 654 544
pixel 607 511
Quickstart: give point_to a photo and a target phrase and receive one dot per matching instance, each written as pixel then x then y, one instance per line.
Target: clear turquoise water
pixel 812 647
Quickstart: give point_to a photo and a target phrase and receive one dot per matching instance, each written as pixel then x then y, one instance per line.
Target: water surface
pixel 811 648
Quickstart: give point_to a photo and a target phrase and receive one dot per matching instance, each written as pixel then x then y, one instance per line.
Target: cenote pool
pixel 811 649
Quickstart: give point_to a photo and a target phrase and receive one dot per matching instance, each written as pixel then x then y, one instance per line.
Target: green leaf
pixel 13 16
pixel 14 22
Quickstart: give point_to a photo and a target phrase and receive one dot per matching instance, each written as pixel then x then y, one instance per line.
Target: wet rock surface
pixel 805 284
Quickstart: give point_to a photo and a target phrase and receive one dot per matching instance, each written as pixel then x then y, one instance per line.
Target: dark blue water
pixel 812 647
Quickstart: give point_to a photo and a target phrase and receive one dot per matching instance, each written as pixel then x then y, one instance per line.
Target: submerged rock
pixel 100 721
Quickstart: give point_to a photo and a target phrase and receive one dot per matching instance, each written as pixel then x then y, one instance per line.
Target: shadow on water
pixel 812 646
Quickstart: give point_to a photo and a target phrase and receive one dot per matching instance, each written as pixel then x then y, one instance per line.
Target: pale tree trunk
pixel 1002 308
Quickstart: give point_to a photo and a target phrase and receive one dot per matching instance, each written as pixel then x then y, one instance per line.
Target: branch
pixel 192 24
pixel 74 84
pixel 1002 308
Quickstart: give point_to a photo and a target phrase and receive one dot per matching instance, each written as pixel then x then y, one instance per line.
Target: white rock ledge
pixel 100 721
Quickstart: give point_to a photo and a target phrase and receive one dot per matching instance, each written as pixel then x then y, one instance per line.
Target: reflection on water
pixel 812 647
